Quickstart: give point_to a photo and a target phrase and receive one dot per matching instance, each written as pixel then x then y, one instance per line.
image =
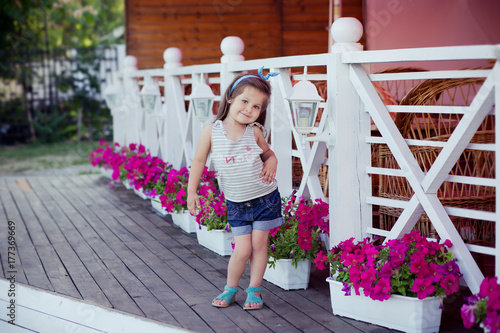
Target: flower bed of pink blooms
pixel 160 181
pixel 411 266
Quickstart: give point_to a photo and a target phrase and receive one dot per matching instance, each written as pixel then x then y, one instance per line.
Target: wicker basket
pixel 439 127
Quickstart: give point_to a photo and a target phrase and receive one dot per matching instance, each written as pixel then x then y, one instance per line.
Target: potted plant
pixel 483 308
pixel 405 278
pixel 143 171
pixel 294 245
pixel 172 195
pixel 124 174
pixel 101 158
pixel 213 232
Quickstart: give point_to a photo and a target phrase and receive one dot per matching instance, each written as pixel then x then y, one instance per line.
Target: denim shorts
pixel 262 213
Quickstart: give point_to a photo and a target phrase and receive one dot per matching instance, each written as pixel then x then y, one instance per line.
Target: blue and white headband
pixel 252 75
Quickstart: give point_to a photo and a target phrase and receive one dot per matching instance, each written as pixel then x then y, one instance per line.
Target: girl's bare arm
pixel 199 161
pixel 268 157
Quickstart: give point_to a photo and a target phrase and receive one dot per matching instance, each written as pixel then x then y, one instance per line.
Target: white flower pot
pixel 286 276
pixel 158 208
pixel 218 241
pixel 325 239
pixel 107 172
pixel 185 221
pixel 140 193
pixel 128 184
pixel 408 314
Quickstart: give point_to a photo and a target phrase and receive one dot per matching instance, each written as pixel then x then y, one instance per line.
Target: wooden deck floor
pixel 79 237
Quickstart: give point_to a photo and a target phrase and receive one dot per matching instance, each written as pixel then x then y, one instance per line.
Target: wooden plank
pixel 147 302
pixel 28 265
pixel 23 184
pixel 251 13
pixel 174 3
pixel 52 217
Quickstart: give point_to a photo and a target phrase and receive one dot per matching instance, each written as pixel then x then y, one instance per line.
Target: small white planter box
pixel 185 221
pixel 218 241
pixel 286 276
pixel 158 208
pixel 128 184
pixel 408 314
pixel 325 239
pixel 140 193
pixel 107 172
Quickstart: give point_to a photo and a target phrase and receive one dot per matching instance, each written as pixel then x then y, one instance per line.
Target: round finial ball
pixel 347 30
pixel 232 46
pixel 130 61
pixel 172 55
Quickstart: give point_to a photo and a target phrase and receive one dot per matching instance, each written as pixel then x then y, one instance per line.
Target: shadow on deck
pixel 79 237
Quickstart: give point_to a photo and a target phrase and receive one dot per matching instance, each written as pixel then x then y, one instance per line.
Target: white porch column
pixel 349 183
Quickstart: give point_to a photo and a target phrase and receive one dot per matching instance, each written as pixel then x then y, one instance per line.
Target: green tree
pixel 77 23
pixel 59 23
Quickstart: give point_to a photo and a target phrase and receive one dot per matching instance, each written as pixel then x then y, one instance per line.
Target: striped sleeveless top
pixel 239 165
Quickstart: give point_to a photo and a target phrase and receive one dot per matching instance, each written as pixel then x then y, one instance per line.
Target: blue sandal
pixel 252 298
pixel 228 295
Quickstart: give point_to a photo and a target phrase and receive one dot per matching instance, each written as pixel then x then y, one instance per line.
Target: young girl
pixel 246 167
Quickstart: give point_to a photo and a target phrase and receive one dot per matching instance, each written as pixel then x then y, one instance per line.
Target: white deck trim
pixel 44 311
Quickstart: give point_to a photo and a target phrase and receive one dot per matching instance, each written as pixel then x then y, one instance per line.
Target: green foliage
pixel 22 23
pixel 49 126
pixel 32 24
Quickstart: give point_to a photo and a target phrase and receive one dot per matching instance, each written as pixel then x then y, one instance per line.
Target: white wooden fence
pixel 352 110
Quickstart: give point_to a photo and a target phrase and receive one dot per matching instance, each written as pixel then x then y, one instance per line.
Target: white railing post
pixel 348 159
pixel 232 48
pixel 113 94
pixel 132 100
pixel 173 110
pixel 195 124
pixel 281 135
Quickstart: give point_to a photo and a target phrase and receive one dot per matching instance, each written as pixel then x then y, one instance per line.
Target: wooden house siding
pixel 268 28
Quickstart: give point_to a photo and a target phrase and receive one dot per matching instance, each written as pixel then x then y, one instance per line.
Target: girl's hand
pixel 269 170
pixel 193 203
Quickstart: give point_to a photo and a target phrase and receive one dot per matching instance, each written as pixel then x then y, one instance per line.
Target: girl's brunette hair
pixel 231 92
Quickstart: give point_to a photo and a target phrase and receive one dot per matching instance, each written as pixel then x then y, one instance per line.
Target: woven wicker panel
pixel 398 89
pixel 439 127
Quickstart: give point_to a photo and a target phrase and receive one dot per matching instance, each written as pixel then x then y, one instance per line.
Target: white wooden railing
pixel 353 108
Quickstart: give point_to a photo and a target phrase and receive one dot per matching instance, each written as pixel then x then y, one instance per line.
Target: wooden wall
pixel 269 28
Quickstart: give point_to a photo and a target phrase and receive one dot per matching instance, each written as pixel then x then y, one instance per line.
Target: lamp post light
pixel 150 95
pixel 202 99
pixel 304 102
pixel 113 96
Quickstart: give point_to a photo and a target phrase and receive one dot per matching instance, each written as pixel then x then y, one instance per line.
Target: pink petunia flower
pixel 423 287
pixel 468 315
pixel 450 284
pixel 320 260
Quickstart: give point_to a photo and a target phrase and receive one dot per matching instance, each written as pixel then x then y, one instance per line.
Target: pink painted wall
pixel 391 24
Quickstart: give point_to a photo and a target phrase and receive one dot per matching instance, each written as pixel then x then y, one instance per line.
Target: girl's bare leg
pixel 258 262
pixel 237 262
